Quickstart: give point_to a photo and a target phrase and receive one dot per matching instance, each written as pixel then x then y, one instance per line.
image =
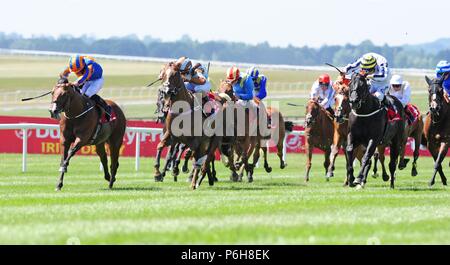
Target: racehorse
pixel 342 111
pixel 415 131
pixel 81 125
pixel 280 129
pixel 318 133
pixel 437 126
pixel 369 126
pixel 203 146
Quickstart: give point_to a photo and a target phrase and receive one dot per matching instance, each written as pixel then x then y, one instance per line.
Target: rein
pixel 366 115
pixel 79 115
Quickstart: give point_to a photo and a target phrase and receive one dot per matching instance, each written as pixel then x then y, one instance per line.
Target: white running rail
pixel 138 130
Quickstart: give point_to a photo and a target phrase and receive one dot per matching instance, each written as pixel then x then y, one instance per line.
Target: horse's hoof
pixel 414 172
pixel 175 172
pixel 185 169
pixel 111 186
pixel 431 184
pixel 250 179
pixel 107 178
pixel 211 183
pixel 159 178
pixel 330 175
pixel 189 179
pixel 444 182
pixel 357 181
pixel 375 175
pixel 268 169
pixel 57 189
pixel 359 187
pixel 385 177
pixel 175 178
pixel 283 165
pixel 215 179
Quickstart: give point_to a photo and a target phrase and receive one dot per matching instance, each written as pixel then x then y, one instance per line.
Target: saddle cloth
pixel 413 113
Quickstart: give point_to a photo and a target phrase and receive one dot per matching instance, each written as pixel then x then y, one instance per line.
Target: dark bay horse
pixel 414 131
pixel 80 126
pixel 369 127
pixel 319 132
pixel 437 126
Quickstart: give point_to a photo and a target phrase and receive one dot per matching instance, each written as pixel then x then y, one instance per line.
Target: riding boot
pixel 102 103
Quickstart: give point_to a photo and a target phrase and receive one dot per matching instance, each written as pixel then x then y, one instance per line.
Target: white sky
pixel 280 22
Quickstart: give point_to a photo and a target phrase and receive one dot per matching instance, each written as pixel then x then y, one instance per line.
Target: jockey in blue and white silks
pixel 443 68
pixel 379 73
pixel 195 77
pixel 259 93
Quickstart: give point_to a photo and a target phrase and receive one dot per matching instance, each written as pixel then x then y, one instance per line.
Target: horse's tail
pixel 289 126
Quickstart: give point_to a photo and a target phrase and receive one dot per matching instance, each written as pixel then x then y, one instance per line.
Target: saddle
pixel 103 128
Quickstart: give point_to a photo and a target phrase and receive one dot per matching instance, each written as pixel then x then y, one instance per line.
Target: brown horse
pixel 280 130
pixel 80 126
pixel 182 126
pixel 241 145
pixel 319 131
pixel 437 126
pixel 342 111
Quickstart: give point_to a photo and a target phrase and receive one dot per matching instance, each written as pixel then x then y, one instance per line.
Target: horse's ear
pixel 428 80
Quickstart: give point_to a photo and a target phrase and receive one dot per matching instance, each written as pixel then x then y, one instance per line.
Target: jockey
pixel 195 77
pixel 402 91
pixel 243 85
pixel 259 82
pixel 378 73
pixel 90 78
pixel 259 91
pixel 322 91
pixel 443 68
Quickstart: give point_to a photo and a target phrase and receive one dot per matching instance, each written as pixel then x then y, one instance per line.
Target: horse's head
pixel 171 80
pixel 312 113
pixel 342 105
pixel 225 87
pixel 436 99
pixel 60 97
pixel 359 90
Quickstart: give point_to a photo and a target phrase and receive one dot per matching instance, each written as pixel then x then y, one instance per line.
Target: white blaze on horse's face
pixel 53 107
pixel 433 104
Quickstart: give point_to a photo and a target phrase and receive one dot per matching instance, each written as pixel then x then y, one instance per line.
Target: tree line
pixel 263 53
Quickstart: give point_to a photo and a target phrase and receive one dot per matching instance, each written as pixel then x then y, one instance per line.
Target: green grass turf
pixel 278 208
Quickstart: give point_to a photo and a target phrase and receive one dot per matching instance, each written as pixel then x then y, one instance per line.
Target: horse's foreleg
pixel 187 156
pixel 395 150
pixel 309 149
pixel 437 164
pixel 404 161
pixel 114 148
pixel 159 148
pixel 333 155
pixel 417 140
pixel 382 158
pixel 266 162
pixel 63 169
pixel 280 154
pixel 349 149
pixel 256 154
pixel 327 163
pixel 365 165
pixel 376 157
pixel 101 152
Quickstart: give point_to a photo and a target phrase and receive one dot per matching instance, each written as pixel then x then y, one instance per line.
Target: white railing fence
pixel 138 130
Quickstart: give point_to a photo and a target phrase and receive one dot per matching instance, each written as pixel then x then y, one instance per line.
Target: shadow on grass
pixel 285 184
pixel 134 189
pixel 238 188
pixel 424 188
